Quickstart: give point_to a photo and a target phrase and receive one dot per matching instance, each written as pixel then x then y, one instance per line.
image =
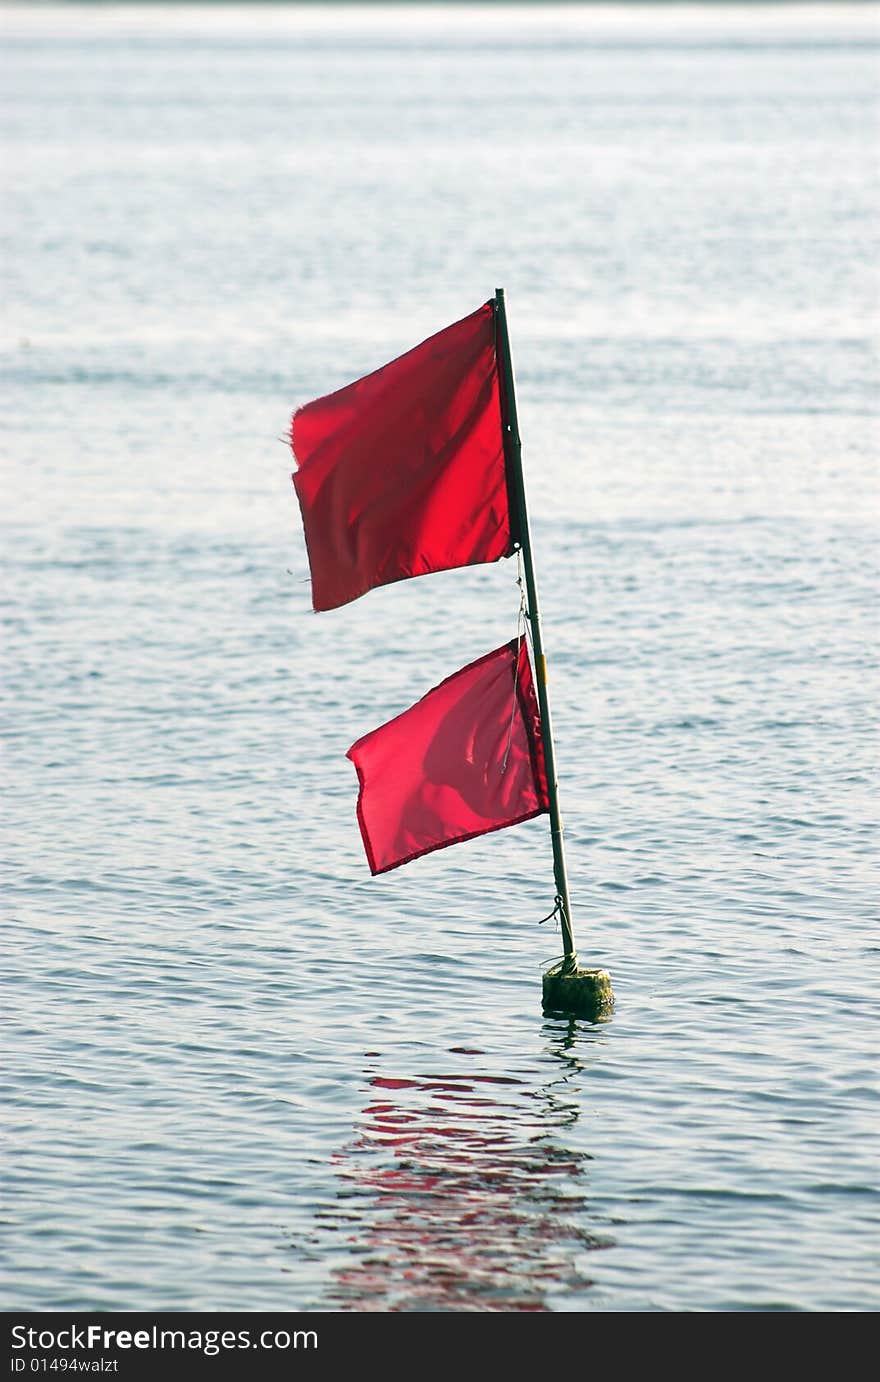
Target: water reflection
pixel 461 1190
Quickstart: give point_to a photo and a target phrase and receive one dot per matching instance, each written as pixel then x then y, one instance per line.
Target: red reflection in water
pixel 458 1194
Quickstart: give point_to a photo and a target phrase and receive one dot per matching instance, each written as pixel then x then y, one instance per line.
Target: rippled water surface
pixel 240 1073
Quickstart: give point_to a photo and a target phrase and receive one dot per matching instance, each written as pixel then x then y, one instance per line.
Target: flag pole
pixel 516 480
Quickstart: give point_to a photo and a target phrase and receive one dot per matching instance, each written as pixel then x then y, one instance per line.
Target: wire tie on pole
pixel 557 910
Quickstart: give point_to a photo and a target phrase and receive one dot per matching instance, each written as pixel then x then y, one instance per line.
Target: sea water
pixel 240 1073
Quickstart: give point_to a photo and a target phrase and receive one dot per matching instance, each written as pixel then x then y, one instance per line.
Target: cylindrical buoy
pixel 578 993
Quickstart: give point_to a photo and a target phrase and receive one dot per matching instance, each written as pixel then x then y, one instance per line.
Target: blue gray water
pixel 241 1074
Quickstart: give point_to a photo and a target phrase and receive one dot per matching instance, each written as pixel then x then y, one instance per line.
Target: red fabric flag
pixel 465 759
pixel 402 472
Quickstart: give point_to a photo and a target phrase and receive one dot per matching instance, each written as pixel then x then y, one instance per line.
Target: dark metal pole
pixel 516 482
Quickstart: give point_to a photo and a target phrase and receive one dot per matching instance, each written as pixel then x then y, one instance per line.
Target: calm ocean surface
pixel 239 1073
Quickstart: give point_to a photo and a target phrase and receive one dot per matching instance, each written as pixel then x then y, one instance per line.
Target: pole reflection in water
pixel 461 1190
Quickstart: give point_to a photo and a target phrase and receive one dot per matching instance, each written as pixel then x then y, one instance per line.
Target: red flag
pixel 465 759
pixel 402 472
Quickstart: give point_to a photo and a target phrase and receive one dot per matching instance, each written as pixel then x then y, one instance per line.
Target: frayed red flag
pixel 464 760
pixel 402 473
